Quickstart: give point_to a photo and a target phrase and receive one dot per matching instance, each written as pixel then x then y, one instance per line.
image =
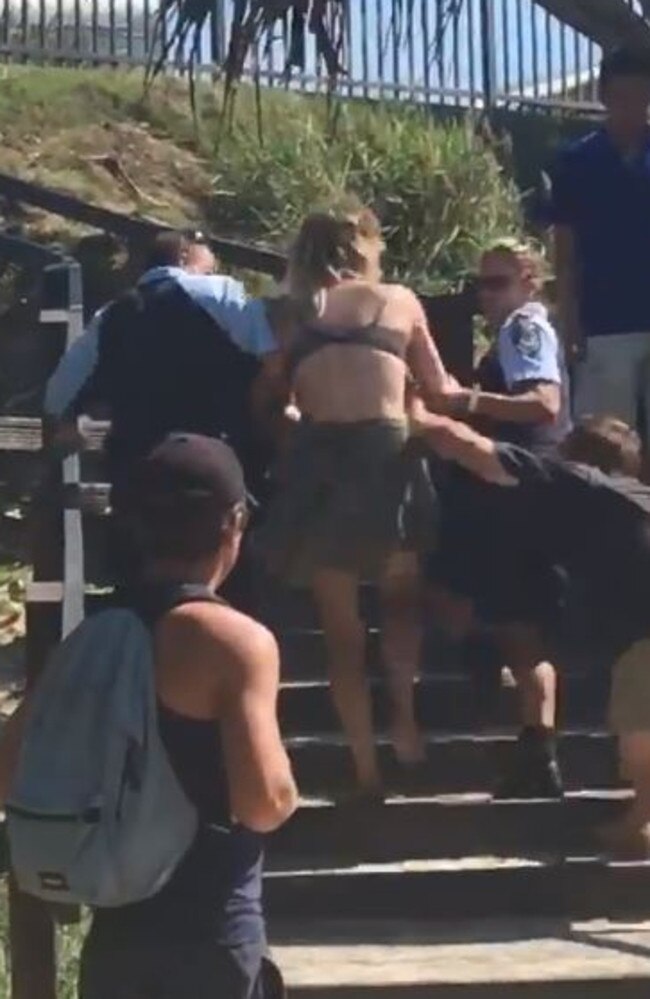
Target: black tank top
pixel 216 891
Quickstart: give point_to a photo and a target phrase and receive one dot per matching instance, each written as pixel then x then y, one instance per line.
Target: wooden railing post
pixel 54 605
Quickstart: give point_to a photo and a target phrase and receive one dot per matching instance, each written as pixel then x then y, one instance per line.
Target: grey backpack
pixel 95 814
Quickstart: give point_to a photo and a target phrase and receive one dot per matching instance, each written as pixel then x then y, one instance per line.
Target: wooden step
pixel 456 761
pixel 472 888
pixel 23 433
pixel 304 658
pixel 452 826
pixel 527 959
pixel 306 706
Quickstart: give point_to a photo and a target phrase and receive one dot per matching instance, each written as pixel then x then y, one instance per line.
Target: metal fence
pixel 495 52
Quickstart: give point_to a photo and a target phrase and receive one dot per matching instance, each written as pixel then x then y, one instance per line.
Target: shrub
pixel 438 188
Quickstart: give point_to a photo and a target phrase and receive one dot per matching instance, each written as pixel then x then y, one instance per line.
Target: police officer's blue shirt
pixel 223 298
pixel 528 348
pixel 604 198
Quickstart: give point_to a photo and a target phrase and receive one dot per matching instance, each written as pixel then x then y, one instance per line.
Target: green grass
pixel 440 190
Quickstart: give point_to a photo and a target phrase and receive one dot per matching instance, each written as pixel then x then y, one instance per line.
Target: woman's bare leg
pixel 629 836
pixel 401 643
pixel 336 595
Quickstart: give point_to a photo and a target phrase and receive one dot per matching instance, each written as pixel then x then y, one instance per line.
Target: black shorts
pixel 201 970
pixel 483 556
pixel 514 590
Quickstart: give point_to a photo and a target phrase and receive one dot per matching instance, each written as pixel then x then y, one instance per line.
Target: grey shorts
pixel 202 970
pixel 614 378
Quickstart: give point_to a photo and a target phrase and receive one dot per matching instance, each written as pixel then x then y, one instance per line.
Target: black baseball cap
pixel 186 468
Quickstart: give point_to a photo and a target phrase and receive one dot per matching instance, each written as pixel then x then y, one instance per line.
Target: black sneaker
pixel 535 772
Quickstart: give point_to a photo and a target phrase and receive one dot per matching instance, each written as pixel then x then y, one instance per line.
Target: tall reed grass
pixel 440 190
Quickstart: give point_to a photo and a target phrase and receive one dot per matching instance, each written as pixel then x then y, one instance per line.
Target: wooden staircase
pixel 442 892
pixel 439 892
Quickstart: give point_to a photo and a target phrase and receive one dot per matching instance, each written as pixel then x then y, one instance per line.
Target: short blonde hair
pixel 528 256
pixel 330 245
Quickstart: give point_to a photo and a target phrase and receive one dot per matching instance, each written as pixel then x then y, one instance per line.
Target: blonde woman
pixel 520 396
pixel 352 345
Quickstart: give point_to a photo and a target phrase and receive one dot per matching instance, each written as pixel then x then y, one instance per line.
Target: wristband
pixel 472 402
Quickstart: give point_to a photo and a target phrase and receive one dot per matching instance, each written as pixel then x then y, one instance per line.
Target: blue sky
pixel 529 46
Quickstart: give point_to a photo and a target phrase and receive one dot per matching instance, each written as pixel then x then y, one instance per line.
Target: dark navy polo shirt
pixel 605 199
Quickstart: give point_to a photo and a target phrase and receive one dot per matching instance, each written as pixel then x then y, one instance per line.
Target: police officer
pixel 487 579
pixel 179 352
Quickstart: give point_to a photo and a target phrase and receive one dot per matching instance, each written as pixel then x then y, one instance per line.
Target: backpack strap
pixel 153 601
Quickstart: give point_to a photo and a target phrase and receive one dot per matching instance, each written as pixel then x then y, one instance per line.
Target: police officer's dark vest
pixel 538 437
pixel 165 365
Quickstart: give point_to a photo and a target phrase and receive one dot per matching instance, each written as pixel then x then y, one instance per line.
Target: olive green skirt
pixel 346 501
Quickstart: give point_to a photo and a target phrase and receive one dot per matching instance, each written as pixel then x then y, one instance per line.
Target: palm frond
pixel 253 21
pixel 606 22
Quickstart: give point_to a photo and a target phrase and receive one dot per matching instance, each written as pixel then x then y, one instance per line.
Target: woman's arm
pixel 537 402
pixel 424 361
pixel 272 399
pixel 530 362
pixel 457 442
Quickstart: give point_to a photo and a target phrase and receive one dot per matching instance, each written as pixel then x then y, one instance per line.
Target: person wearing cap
pixel 217 675
pixel 179 351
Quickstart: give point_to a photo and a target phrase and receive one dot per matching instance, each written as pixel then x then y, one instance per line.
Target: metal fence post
pixel 73 545
pixel 488 53
pixel 217 33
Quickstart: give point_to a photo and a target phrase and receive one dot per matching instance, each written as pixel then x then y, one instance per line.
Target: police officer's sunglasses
pixel 494 282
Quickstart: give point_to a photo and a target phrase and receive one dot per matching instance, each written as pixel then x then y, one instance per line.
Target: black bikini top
pixel 312 339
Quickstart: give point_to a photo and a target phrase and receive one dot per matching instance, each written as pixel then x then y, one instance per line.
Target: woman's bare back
pixel 349 382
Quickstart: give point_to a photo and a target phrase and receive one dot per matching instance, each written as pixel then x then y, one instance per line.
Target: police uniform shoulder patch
pixel 526 336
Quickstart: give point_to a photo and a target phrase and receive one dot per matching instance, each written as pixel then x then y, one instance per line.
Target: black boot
pixel 534 770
